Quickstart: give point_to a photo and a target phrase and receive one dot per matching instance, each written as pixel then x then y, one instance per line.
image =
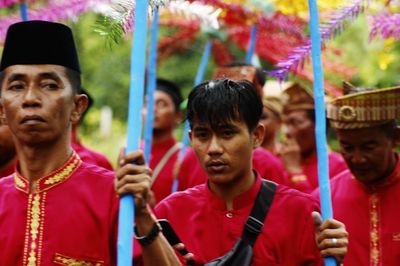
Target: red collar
pixel 243 200
pixel 164 145
pixel 55 178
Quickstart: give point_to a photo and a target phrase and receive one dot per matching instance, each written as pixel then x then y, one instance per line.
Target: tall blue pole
pixel 252 44
pixel 136 93
pixel 198 79
pixel 24 11
pixel 320 126
pixel 151 87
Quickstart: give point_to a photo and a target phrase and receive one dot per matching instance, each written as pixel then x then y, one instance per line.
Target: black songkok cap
pixel 171 89
pixel 39 43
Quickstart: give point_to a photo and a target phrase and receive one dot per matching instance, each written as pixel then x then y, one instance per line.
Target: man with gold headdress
pixel 366 197
pixel 298 151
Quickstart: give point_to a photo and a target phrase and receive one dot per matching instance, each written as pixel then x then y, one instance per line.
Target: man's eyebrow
pixel 50 75
pixel 199 128
pixel 44 75
pixel 16 76
pixel 227 126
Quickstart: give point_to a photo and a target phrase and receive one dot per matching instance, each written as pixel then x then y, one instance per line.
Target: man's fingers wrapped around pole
pixel 133 178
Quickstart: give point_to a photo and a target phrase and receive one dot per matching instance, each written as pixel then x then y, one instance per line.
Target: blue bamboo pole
pixel 24 11
pixel 198 79
pixel 320 126
pixel 151 87
pixel 136 91
pixel 252 44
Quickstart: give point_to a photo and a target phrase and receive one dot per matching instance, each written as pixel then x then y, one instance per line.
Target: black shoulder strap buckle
pixel 253 225
pixel 255 222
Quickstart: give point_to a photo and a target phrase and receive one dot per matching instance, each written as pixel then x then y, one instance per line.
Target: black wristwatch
pixel 150 237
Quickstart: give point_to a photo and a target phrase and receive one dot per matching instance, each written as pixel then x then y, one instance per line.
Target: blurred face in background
pixel 300 127
pixel 271 122
pixel 166 116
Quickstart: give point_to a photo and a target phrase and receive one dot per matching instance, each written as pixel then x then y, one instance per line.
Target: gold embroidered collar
pixel 55 178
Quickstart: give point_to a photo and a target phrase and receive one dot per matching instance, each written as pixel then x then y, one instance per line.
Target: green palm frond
pixel 113 27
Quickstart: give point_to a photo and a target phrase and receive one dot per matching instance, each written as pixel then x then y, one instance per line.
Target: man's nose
pixel 358 157
pixel 31 98
pixel 214 146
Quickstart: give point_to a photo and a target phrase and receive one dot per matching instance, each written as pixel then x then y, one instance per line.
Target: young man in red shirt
pixel 209 218
pixel 265 162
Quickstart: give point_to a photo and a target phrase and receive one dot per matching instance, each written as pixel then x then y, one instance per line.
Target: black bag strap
pixel 255 222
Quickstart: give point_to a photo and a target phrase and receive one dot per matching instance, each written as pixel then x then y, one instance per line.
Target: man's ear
pixel 3 120
pixel 178 117
pixel 80 104
pixel 258 135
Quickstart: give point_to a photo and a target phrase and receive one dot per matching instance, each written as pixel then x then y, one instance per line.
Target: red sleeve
pixel 269 166
pixel 190 172
pixel 336 164
pixel 183 173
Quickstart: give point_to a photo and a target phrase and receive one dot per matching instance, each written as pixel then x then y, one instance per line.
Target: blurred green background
pixel 106 72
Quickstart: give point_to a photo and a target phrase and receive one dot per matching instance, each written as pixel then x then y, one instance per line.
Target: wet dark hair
pixel 172 90
pixel 219 102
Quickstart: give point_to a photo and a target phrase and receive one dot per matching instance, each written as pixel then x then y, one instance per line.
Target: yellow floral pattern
pixel 53 179
pixel 374 233
pixel 34 230
pixel 63 173
pixel 36 208
pixel 19 182
pixel 67 261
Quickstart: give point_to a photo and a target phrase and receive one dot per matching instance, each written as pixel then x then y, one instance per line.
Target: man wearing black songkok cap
pixel 56 209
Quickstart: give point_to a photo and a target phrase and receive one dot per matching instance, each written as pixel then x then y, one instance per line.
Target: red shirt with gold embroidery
pixel 209 230
pixel 371 218
pixel 71 219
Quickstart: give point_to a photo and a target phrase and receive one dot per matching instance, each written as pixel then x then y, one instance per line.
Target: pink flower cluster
pixel 7 3
pixel 67 10
pixel 386 25
pixel 328 30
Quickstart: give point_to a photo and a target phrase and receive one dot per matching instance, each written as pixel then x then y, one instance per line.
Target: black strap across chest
pixel 255 221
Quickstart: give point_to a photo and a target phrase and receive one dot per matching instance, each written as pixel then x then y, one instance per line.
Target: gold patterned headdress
pixel 365 108
pixel 297 97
